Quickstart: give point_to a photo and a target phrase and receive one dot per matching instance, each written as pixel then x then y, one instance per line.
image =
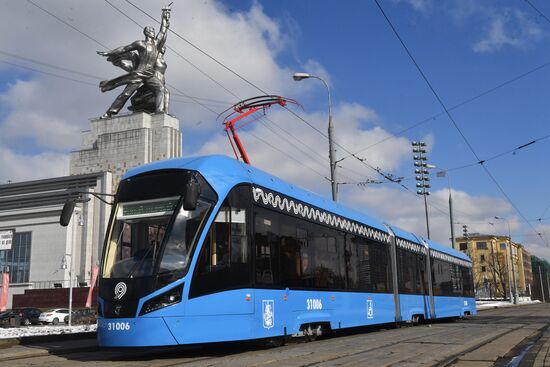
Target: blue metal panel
pixel 133 332
pixel 469 305
pixel 414 305
pixel 448 306
pixel 233 302
pixel 213 328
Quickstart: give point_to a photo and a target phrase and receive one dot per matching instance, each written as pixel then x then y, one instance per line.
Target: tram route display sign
pixel 6 238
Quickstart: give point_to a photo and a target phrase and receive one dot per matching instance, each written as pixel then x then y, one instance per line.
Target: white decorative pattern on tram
pixel 300 209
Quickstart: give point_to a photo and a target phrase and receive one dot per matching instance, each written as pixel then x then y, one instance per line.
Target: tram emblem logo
pixel 120 290
pixel 370 309
pixel 268 313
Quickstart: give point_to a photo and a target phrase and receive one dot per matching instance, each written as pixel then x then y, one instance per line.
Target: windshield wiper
pixel 137 265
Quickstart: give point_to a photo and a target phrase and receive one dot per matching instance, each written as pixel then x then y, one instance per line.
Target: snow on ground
pixel 484 305
pixel 23 331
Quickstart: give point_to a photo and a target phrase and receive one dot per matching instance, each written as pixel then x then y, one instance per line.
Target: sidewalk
pixel 543 356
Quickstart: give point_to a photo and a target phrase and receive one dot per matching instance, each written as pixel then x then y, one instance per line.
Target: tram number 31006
pixel 118 326
pixel 314 304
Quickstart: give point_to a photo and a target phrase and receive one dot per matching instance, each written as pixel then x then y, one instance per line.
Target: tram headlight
pixel 168 298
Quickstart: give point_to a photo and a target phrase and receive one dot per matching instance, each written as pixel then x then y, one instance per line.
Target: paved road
pixel 492 338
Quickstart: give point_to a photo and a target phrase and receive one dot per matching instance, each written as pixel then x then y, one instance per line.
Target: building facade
pixel 499 265
pixel 42 250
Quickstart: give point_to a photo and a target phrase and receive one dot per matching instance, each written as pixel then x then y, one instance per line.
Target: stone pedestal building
pixel 124 141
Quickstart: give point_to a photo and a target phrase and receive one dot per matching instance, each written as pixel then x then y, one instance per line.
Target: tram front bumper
pixel 134 332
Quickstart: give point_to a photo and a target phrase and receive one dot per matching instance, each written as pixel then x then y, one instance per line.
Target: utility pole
pixel 444 174
pixel 451 219
pixel 541 285
pixel 423 178
pixel 515 290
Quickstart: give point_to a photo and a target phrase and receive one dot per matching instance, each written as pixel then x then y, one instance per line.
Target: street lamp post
pixel 331 149
pixel 515 291
pixel 71 265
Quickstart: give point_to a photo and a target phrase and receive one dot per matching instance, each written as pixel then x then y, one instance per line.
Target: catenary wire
pixel 48 73
pixel 363 161
pixel 424 77
pixel 171 86
pixel 255 86
pixel 80 73
pixel 299 117
pixel 465 102
pixel 493 157
pixel 72 71
pixel 67 24
pixel 188 95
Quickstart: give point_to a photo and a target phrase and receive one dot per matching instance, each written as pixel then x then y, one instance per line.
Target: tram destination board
pixel 149 207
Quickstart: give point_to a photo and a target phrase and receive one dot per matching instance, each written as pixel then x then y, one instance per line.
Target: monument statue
pixel 143 60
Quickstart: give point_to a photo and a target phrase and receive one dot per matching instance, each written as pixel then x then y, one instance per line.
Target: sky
pixel 470 78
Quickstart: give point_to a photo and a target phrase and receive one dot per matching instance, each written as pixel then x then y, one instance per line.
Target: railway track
pixel 493 337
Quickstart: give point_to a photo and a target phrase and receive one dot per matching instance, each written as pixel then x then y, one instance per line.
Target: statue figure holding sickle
pixel 143 60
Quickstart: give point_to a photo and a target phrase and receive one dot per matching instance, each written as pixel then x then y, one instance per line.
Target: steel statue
pixel 143 60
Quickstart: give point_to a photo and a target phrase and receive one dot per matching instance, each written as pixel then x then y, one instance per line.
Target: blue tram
pixel 208 249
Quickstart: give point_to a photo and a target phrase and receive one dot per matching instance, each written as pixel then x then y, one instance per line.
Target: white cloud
pixel 21 167
pixel 31 119
pixel 508 27
pixel 406 210
pixel 535 244
pixel 498 27
pixel 421 6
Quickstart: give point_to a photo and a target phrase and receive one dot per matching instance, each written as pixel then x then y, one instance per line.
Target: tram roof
pixel 399 232
pixel 448 250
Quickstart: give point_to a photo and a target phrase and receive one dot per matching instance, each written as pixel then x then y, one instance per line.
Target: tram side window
pixel 421 277
pixel 441 275
pixel 380 267
pixel 456 280
pixel 406 271
pixel 468 283
pixel 296 269
pixel 354 257
pixel 266 243
pixel 411 272
pixel 327 250
pixel 367 265
pixel 224 261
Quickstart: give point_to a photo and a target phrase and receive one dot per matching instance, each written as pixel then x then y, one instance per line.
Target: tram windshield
pixel 154 236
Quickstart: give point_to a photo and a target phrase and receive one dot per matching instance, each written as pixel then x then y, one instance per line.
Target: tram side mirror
pixel 67 212
pixel 191 194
